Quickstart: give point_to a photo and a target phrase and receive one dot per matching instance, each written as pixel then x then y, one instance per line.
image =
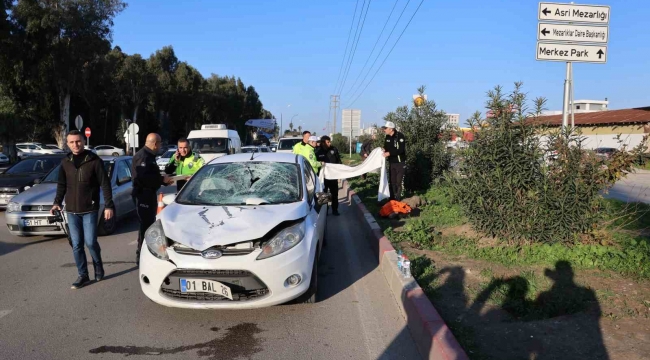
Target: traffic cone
pixel 161 206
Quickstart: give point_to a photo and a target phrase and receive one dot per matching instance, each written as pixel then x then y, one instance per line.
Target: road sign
pixel 134 128
pixel 78 122
pixel 573 33
pixel 87 132
pixel 573 13
pixel 572 52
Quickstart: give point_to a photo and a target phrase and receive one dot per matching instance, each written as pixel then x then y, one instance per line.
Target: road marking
pixel 4 313
pixel 134 242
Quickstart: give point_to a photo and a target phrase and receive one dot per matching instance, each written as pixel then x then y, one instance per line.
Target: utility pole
pixel 334 105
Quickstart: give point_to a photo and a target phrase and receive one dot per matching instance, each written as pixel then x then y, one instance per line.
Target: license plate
pixel 203 285
pixel 35 222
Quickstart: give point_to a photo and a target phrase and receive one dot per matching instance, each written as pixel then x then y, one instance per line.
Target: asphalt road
pixel 356 316
pixel 634 187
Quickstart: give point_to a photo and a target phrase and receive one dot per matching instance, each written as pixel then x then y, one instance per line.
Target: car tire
pixel 115 154
pixel 107 227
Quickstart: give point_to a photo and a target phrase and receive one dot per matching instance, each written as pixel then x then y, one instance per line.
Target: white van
pixel 214 140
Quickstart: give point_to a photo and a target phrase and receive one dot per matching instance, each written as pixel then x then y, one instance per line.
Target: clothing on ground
pixel 374 161
pixel 394 206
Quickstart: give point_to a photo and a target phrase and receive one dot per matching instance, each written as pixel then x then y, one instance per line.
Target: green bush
pixel 509 187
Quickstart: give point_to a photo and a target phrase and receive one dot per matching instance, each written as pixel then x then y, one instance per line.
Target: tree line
pixel 57 62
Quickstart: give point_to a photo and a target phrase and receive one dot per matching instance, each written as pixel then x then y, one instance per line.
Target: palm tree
pixel 291 126
pixel 299 129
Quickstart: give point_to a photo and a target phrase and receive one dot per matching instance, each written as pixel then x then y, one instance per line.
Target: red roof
pixel 623 116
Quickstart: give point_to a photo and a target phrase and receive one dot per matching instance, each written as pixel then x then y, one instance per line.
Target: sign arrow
pixel 546 11
pixel 544 32
pixel 600 53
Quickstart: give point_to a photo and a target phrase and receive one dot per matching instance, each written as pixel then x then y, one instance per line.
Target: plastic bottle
pixel 399 260
pixel 406 266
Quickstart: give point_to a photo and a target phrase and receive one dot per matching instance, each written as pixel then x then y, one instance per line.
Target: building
pixel 601 128
pixel 582 106
pixel 453 120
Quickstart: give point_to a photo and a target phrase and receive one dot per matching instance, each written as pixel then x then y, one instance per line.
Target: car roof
pixel 291 138
pixel 114 158
pixel 246 157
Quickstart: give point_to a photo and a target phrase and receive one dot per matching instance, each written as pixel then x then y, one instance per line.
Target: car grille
pixel 225 250
pixel 244 285
pixel 8 191
pixel 43 208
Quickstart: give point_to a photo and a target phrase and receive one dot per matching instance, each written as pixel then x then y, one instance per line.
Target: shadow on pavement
pixel 117 274
pixel 9 247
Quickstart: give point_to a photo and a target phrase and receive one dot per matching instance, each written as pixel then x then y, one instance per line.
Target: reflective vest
pixel 308 152
pixel 188 166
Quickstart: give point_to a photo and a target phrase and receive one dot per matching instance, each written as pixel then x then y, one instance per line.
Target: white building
pixel 453 120
pixel 583 106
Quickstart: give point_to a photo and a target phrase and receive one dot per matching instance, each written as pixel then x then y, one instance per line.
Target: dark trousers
pixel 396 171
pixel 145 206
pixel 333 187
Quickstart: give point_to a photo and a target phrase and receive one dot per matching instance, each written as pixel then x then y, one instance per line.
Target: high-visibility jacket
pixel 186 166
pixel 394 206
pixel 308 152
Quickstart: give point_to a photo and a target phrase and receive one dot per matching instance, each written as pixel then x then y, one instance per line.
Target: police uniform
pixel 146 182
pixel 188 165
pixel 330 156
pixel 396 145
pixel 308 152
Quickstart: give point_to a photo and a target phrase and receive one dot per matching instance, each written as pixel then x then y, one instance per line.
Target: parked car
pixel 274 146
pixel 90 148
pixel 253 149
pixel 108 150
pixel 24 174
pixel 605 152
pixel 285 145
pixel 241 233
pixel 52 147
pixel 34 149
pixel 4 159
pixel 163 160
pixel 28 212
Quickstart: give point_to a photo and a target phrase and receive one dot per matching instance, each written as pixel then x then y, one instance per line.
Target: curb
pixel 430 333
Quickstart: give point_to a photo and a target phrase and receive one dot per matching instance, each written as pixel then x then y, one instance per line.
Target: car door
pixel 122 188
pixel 318 216
pixel 130 204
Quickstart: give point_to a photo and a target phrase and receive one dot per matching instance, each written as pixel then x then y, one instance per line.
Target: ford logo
pixel 211 254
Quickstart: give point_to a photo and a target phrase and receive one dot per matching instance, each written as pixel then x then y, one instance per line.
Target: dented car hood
pixel 201 227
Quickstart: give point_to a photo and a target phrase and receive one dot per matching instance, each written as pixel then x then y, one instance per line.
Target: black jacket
pixel 330 156
pixel 366 147
pixel 80 186
pixel 396 146
pixel 145 172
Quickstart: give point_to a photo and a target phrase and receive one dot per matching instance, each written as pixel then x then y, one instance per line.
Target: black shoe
pixel 99 271
pixel 99 278
pixel 81 282
pixel 335 213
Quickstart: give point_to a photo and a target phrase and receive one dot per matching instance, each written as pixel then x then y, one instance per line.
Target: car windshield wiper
pixel 253 178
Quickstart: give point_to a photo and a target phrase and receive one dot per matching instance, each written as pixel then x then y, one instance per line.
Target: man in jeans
pixel 395 151
pixel 80 176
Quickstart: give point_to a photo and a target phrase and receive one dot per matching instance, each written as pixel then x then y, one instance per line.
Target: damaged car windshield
pixel 245 183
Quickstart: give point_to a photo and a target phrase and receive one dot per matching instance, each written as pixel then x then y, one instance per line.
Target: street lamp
pixel 291 121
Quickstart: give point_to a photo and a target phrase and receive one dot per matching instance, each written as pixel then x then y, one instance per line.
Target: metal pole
pixel 279 136
pixel 565 107
pixel 572 100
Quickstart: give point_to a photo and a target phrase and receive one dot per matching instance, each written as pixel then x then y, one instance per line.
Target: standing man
pixel 146 182
pixel 366 149
pixel 329 154
pixel 395 151
pixel 184 162
pixel 303 143
pixel 305 149
pixel 80 176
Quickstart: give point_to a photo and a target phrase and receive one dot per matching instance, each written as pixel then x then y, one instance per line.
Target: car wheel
pixel 107 227
pixel 115 154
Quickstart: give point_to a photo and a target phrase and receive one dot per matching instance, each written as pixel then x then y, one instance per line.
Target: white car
pixel 255 148
pixel 163 160
pixel 285 145
pixel 34 149
pixel 243 233
pixel 108 150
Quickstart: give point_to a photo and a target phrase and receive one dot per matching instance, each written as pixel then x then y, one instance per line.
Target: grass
pixel 354 160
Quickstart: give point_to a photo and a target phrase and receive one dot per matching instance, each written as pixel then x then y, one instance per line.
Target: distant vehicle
pixel 24 174
pixel 605 152
pixel 253 149
pixel 28 212
pixel 52 146
pixel 274 146
pixel 214 140
pixel 285 145
pixel 4 160
pixel 33 149
pixel 90 148
pixel 108 150
pixel 163 160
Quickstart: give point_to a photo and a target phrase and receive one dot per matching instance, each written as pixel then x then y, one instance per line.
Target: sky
pixel 291 52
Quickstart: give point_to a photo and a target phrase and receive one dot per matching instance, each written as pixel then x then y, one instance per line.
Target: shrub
pixel 509 187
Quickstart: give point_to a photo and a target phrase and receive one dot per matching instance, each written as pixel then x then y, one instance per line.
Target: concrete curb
pixel 430 333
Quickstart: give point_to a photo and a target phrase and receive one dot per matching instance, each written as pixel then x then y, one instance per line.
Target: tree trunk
pixel 60 130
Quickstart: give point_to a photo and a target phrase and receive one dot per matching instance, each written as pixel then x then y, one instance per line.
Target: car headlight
pixel 283 241
pixel 13 206
pixel 156 241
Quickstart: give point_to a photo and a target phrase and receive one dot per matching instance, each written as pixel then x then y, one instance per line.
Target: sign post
pixel 87 133
pixel 558 39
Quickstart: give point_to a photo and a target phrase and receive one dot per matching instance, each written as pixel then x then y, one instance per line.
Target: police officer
pixel 395 151
pixel 184 162
pixel 306 148
pixel 327 153
pixel 146 182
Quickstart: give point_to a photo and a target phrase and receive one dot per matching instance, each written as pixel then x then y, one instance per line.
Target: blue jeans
pixel 83 230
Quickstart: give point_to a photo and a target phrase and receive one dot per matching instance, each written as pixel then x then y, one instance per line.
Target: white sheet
pixel 374 161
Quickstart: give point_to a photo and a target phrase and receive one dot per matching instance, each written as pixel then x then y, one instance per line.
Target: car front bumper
pixel 159 278
pixel 17 226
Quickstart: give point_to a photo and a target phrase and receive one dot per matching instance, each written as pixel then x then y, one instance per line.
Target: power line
pixel 374 47
pixel 382 49
pixel 356 44
pixel 391 50
pixel 345 53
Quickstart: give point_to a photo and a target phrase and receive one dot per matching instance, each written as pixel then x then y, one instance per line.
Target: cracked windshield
pixel 254 183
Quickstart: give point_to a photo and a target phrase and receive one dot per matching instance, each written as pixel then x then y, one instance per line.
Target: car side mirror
pixel 322 198
pixel 123 180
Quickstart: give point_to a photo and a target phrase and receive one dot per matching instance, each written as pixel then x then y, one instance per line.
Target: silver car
pixel 28 212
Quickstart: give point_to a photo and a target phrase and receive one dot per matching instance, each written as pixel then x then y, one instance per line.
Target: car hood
pixel 209 156
pixel 36 195
pixel 18 180
pixel 201 227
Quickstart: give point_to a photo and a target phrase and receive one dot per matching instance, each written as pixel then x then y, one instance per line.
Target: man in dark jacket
pixel 146 182
pixel 395 151
pixel 366 149
pixel 327 153
pixel 80 176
